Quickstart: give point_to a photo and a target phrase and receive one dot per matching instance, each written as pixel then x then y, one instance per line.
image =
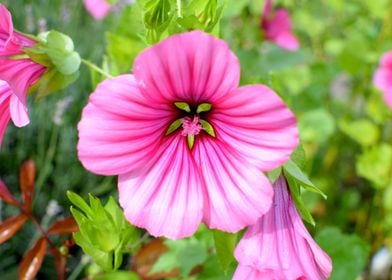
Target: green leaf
pixel 316 126
pixel 298 156
pixel 103 259
pixel 118 275
pixel 295 172
pixel 349 253
pixel 363 131
pixel 375 164
pixel 224 245
pixel 79 202
pixel 184 254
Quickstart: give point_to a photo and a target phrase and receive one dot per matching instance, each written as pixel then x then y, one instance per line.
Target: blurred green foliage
pixel 346 129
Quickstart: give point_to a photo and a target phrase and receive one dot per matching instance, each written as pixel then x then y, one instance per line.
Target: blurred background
pixel 345 126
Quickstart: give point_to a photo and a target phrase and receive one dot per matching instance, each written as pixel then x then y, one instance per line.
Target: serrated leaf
pixel 33 259
pixel 295 172
pixel 103 259
pixel 80 203
pixel 224 245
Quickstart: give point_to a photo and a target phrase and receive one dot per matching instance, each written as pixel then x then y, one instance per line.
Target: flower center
pixel 192 123
pixel 191 126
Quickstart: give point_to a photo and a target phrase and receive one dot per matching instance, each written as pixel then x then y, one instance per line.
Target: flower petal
pixel 255 121
pixel 236 193
pixel 280 245
pixel 18 112
pixel 20 74
pixel 249 273
pixel 11 43
pixel 167 199
pixel 120 130
pixel 386 60
pixel 191 67
pixel 287 40
pixel 382 79
pixel 5 95
pixel 388 97
pixel 99 9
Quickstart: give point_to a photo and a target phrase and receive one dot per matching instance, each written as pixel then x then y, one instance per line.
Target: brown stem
pixel 43 232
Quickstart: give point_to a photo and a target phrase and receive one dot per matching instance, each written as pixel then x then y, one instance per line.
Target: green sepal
pixel 183 106
pixel 203 107
pixel 296 173
pixel 55 51
pixel 207 127
pixel 296 195
pixel 174 126
pixel 191 141
pixel 274 174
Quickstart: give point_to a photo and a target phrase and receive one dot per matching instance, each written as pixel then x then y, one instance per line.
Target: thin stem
pixel 44 234
pixel 96 68
pixel 179 8
pixel 78 269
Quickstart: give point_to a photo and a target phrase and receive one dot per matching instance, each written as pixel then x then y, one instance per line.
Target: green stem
pixel 179 8
pixel 96 68
pixel 78 269
pixel 45 171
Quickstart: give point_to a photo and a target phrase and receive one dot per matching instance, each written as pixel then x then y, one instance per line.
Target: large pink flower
pixel 279 247
pixel 276 25
pixel 17 71
pixel 187 144
pixel 99 9
pixel 383 77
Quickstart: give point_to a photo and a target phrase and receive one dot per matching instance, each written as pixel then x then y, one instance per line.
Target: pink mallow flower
pixel 279 247
pixel 17 71
pixel 277 28
pixel 383 77
pixel 99 9
pixel 187 143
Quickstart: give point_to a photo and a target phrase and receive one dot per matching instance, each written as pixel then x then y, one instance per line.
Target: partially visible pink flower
pixel 19 73
pixel 188 144
pixel 383 77
pixel 277 28
pixel 279 247
pixel 99 9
